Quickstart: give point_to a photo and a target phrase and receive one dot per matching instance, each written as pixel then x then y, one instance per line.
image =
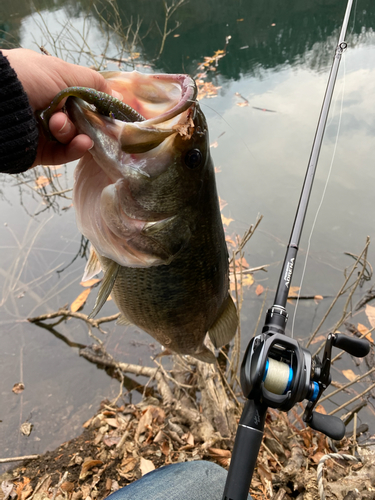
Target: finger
pixel 62 128
pixel 55 154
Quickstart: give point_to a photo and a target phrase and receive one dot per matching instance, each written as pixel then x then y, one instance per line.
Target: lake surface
pixel 268 85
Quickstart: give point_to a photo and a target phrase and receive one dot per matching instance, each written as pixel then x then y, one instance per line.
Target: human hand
pixel 43 77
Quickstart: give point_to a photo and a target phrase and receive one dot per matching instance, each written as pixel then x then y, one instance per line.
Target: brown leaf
pixel 128 464
pixel 317 456
pixel 91 282
pixel 87 465
pixel 221 456
pixel 214 144
pixel 318 297
pixel 320 409
pixel 370 313
pixel 165 448
pixel 293 291
pixel 146 466
pixel 80 300
pixel 113 422
pixel 226 220
pixel 18 388
pixel 365 331
pixel 67 486
pixel 189 438
pixel 222 203
pixel 349 374
pixel 320 338
pixel 259 290
pixel 42 181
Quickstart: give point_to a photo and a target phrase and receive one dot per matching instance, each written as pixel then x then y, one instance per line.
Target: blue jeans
pixel 198 480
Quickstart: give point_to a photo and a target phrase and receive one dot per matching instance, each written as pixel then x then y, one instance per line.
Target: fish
pixel 145 197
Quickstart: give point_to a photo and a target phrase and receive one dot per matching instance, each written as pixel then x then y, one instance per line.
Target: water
pixel 277 59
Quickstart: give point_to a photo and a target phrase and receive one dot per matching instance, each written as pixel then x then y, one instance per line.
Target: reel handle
pixel 329 425
pixel 356 347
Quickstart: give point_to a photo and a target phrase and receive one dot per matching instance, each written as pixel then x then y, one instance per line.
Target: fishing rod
pixel 276 371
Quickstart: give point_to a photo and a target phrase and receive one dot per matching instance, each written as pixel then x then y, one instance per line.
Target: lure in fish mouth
pixel 145 197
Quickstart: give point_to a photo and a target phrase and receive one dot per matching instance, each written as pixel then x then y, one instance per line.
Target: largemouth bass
pixel 145 196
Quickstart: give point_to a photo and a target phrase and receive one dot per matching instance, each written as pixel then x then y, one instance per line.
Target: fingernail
pixel 117 95
pixel 65 122
pixel 92 145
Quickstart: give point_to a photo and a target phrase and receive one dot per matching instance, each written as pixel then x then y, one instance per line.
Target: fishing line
pixel 323 195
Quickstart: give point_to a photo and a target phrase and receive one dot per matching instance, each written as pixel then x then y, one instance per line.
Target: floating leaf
pixel 91 282
pixel 370 313
pixel 18 388
pixel 321 338
pixel 320 409
pixel 247 280
pixel 214 144
pixel 217 170
pixel 293 291
pixel 222 203
pixel 318 297
pixel 259 290
pixel 176 35
pixel 80 300
pixel 365 331
pixel 349 374
pixel 42 181
pixel 146 466
pixel 226 220
pixel 26 428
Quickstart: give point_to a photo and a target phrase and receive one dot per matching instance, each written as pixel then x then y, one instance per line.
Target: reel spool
pixel 277 377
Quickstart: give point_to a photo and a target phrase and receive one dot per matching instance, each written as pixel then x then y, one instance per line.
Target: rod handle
pixel 353 346
pixel 329 425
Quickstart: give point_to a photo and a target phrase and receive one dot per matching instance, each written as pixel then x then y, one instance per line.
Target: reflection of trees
pixel 263 34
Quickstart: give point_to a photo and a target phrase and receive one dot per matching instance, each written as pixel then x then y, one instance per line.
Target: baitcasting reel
pixel 279 373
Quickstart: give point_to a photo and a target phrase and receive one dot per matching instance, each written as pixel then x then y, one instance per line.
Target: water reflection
pixel 277 58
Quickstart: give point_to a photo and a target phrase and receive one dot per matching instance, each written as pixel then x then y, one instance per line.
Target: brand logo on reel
pixel 288 272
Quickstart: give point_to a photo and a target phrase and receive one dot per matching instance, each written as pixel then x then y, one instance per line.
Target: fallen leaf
pixel 214 144
pixel 67 486
pixel 80 300
pixel 87 465
pixel 26 428
pixel 293 291
pixel 365 331
pixel 349 374
pixel 18 388
pixel 317 456
pixel 189 438
pixel 111 440
pixel 226 220
pixel 247 280
pixel 146 466
pixel 8 489
pixel 91 282
pixel 321 338
pixel 42 181
pixel 370 313
pixel 320 409
pixel 229 240
pixel 221 456
pixel 165 448
pixel 128 464
pixel 259 290
pixel 242 104
pixel 222 203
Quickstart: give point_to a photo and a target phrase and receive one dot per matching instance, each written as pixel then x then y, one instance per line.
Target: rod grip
pixel 329 425
pixel 355 347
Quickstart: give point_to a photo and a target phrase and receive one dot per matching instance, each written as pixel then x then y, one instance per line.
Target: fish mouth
pixel 133 190
pixel 167 102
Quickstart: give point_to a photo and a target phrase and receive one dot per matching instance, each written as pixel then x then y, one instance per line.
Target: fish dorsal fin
pixel 93 266
pixel 225 326
pixel 106 287
pixel 123 320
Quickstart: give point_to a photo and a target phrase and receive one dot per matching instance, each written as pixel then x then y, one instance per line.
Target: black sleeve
pixel 18 127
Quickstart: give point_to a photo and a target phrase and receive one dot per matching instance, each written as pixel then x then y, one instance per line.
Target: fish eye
pixel 193 158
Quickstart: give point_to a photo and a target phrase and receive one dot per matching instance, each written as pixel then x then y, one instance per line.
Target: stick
pixel 18 459
pixel 352 400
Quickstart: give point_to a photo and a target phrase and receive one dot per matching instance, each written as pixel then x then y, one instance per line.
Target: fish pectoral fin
pixel 225 326
pixel 93 266
pixel 204 355
pixel 106 287
pixel 123 320
pixel 169 235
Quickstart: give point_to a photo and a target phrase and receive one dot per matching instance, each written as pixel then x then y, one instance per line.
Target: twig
pixel 18 459
pixel 357 379
pixel 64 312
pixel 352 400
pixel 338 294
